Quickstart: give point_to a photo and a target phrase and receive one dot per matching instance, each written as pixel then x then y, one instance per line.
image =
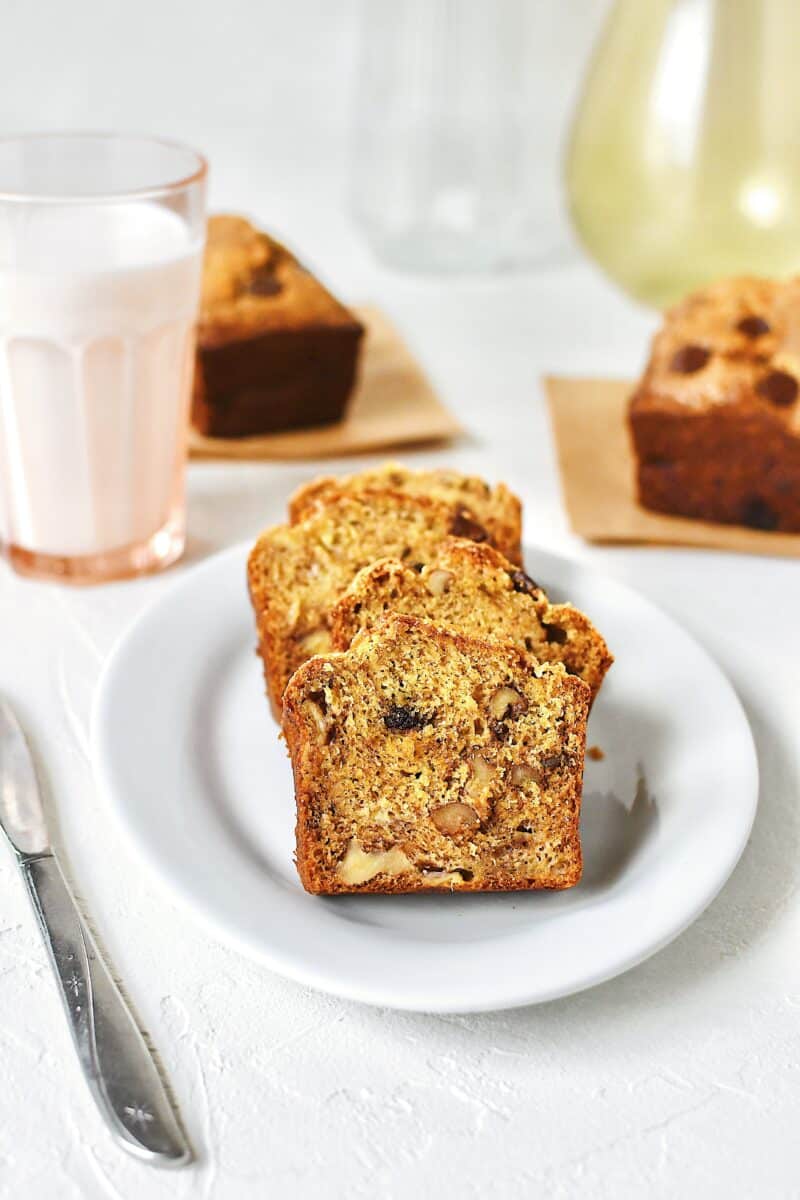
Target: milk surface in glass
pixel 97 309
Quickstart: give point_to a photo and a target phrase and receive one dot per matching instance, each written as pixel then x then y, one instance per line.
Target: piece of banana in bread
pixel 424 760
pixel 296 573
pixel 496 509
pixel 474 590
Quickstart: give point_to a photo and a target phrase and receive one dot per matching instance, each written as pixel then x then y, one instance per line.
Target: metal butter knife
pixel 116 1062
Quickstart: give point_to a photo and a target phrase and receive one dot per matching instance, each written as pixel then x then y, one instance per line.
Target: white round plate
pixel 188 755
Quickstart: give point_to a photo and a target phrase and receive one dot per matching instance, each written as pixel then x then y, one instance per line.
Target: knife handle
pixel 116 1062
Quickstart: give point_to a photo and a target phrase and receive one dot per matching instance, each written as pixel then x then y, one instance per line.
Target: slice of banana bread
pixel 425 760
pixel 296 573
pixel 496 508
pixel 474 590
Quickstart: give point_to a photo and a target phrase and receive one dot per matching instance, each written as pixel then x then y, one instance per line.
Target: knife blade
pixel 21 814
pixel 117 1064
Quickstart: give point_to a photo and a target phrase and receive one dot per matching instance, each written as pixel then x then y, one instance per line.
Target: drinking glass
pixel 101 242
pixel 441 136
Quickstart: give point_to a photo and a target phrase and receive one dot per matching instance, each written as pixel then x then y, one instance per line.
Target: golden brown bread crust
pixel 715 421
pixel 425 760
pixel 297 573
pixel 474 590
pixel 252 283
pixel 275 350
pixel 496 508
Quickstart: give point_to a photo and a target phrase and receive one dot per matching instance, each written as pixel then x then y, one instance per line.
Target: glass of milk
pixel 101 242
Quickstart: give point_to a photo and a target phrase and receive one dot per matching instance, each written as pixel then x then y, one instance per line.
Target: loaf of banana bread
pixel 715 420
pixel 275 350
pixel 426 760
pixel 474 590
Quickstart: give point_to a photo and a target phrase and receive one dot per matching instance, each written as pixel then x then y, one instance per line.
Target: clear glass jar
pixel 440 148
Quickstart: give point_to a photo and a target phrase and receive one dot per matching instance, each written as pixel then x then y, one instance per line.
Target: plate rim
pixel 300 969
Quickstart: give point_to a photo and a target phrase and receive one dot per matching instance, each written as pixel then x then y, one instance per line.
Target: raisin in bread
pixel 474 590
pixel 427 760
pixel 297 573
pixel 275 350
pixel 496 509
pixel 715 420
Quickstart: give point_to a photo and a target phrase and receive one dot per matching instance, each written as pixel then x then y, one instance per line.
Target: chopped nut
pixel 438 582
pixel 318 718
pixel 318 641
pixel 506 702
pixel 441 876
pixel 482 775
pixel 359 866
pixel 455 818
pixel 522 773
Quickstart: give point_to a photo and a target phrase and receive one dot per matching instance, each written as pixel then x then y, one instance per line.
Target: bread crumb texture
pixel 298 572
pixel 426 760
pixel 494 512
pixel 473 589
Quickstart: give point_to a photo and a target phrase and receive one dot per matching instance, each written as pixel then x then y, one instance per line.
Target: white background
pixel 679 1079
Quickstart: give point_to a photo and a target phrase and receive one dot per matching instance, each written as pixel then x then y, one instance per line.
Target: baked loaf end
pixel 275 350
pixel 715 421
pixel 296 573
pixel 496 508
pixel 425 760
pixel 474 590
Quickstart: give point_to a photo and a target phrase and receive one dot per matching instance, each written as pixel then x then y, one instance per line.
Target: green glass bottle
pixel 683 164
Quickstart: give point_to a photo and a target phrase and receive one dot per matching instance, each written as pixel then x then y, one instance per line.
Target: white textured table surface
pixel 678 1079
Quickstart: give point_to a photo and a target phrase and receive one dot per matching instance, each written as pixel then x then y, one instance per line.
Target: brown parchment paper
pixel 394 404
pixel 597 476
